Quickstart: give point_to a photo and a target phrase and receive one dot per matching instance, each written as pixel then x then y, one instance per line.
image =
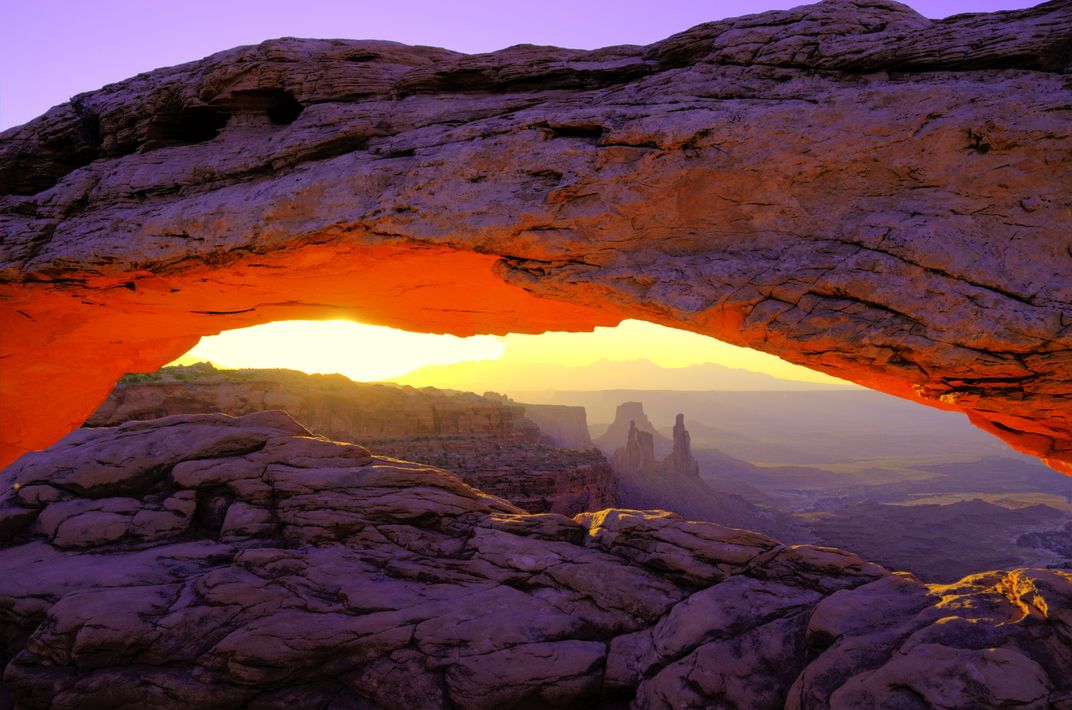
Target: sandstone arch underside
pixel 850 186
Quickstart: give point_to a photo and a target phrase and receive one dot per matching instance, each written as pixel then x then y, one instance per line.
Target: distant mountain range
pixel 506 376
pixel 793 428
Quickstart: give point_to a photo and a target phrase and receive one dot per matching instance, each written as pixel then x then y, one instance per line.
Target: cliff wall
pixel 562 426
pixel 487 440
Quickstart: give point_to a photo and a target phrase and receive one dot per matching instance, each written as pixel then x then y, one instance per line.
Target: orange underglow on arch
pixel 71 339
pixel 65 342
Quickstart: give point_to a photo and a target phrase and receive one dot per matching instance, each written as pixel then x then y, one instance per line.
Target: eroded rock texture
pixel 330 405
pixel 208 561
pixel 627 417
pixel 560 425
pixel 673 482
pixel 487 440
pixel 847 185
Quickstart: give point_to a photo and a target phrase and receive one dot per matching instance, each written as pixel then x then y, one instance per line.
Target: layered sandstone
pixel 214 562
pixel 627 417
pixel 561 425
pixel 535 477
pixel 673 482
pixel 847 185
pixel 330 405
pixel 636 455
pixel 680 462
pixel 488 440
pixel 564 426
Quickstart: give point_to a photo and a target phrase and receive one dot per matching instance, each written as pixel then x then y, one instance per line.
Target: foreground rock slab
pixel 491 442
pixel 847 185
pixel 219 562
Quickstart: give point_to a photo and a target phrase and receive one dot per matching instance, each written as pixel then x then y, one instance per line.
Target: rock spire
pixel 637 456
pixel 681 462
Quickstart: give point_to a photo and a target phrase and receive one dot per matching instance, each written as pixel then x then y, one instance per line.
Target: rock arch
pixel 847 185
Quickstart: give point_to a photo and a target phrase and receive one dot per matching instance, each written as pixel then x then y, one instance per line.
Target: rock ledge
pixel 224 562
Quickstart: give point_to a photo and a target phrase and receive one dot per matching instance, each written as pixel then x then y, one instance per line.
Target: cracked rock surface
pixel 493 444
pixel 220 562
pixel 847 185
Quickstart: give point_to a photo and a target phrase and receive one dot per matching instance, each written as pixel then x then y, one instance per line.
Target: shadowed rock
pixel 630 416
pixel 294 571
pixel 680 462
pixel 637 457
pixel 847 185
pixel 489 441
pixel 674 483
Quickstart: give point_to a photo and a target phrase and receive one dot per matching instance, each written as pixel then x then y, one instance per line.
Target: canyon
pixel 217 562
pixel 653 471
pixel 490 441
pixel 913 489
pixel 847 185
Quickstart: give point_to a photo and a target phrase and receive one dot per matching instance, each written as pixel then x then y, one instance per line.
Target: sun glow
pixel 358 351
pixel 640 340
pixel 368 353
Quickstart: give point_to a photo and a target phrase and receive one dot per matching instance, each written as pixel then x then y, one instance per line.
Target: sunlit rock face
pixel 847 185
pixel 219 562
pixel 489 441
pixel 330 405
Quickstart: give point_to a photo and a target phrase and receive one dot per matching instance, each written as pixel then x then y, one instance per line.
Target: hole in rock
pixel 640 416
pixel 191 124
pixel 279 105
pixel 588 131
pixel 286 110
pixel 360 56
pixel 212 506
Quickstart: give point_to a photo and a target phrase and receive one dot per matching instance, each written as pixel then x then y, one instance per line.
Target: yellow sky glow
pixel 368 353
pixel 361 352
pixel 640 340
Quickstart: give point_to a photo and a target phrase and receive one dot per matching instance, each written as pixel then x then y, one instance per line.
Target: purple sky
pixel 51 50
